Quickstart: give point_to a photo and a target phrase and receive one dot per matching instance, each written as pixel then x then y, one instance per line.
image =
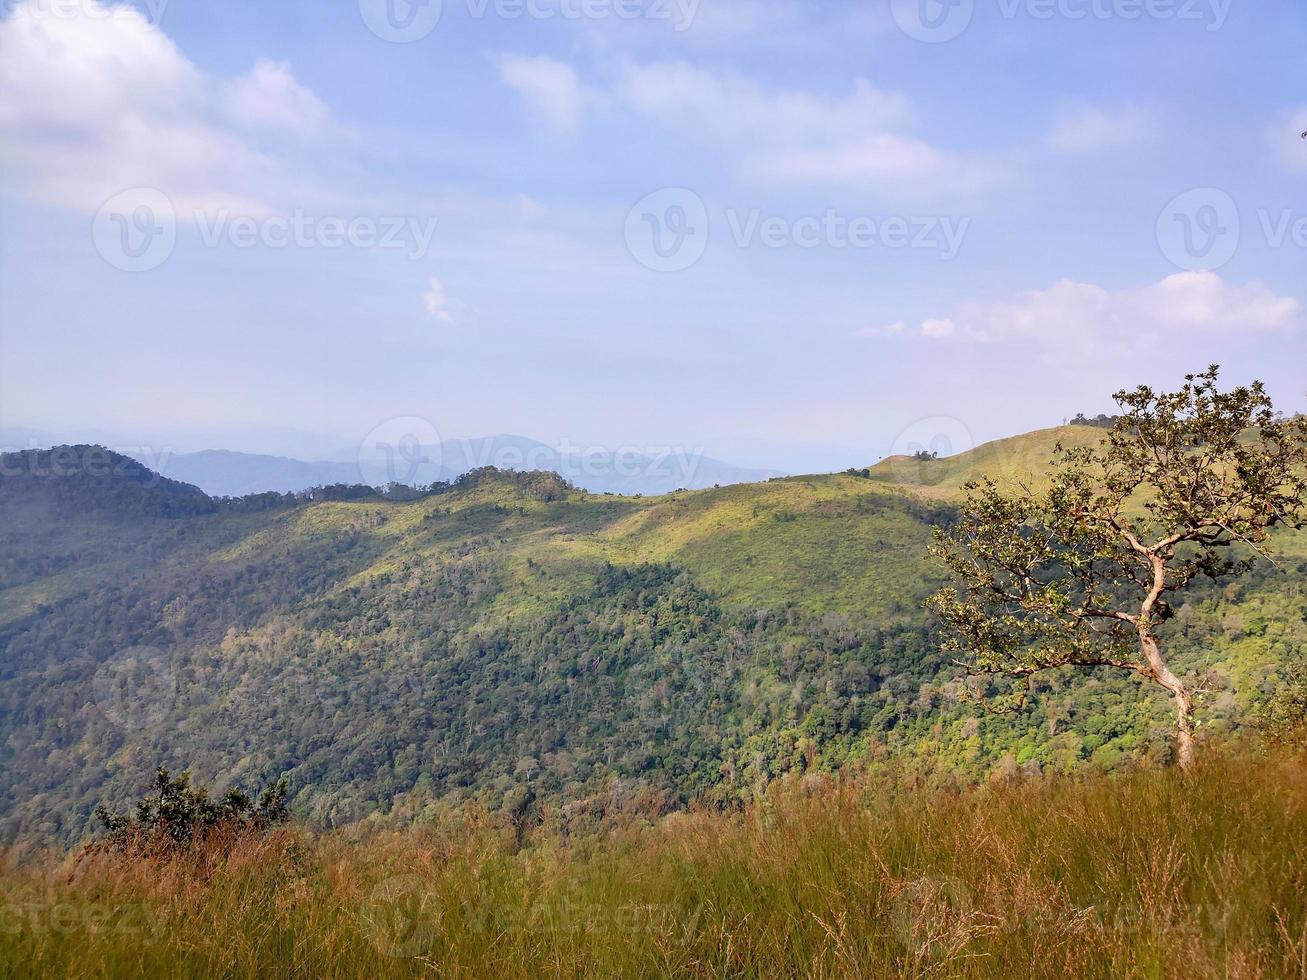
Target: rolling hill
pixel 513 639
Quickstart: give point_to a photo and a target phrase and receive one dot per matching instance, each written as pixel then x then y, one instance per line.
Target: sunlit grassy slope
pixel 1017 461
pixel 1147 875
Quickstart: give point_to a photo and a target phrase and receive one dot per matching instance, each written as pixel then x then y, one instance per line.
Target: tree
pixel 1082 574
pixel 178 814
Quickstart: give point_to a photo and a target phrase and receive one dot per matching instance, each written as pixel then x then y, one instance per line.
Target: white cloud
pixel 860 136
pixel 896 329
pixel 550 87
pixel 1074 317
pixel 1086 129
pixel 883 157
pixel 938 328
pixel 98 100
pixel 795 136
pixel 270 96
pixel 437 303
pixel 730 107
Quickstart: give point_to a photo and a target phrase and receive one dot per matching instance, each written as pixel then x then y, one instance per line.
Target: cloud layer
pixel 100 102
pixel 790 136
pixel 1076 317
pixel 1085 129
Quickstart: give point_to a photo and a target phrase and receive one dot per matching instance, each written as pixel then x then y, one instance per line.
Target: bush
pixel 178 816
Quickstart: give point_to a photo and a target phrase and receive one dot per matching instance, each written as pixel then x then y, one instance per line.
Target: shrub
pixel 178 816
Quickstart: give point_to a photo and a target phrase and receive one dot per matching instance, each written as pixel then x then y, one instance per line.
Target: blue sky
pixel 795 235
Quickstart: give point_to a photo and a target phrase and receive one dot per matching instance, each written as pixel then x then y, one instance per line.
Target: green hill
pixel 512 639
pixel 1018 460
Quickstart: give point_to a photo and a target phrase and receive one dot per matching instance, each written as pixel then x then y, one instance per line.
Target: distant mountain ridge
pixel 226 473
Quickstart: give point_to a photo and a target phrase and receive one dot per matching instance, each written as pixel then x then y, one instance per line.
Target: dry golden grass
pixel 1148 875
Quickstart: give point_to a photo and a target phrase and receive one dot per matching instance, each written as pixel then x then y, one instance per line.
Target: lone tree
pixel 1081 574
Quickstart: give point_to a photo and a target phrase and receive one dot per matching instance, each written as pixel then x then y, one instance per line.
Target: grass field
pixel 1144 875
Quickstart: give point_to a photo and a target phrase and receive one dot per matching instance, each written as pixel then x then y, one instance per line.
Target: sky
pixel 795 235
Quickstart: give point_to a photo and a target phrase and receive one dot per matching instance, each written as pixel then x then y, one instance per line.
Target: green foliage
pixel 516 644
pixel 1081 574
pixel 1098 421
pixel 76 479
pixel 179 815
pixel 1284 714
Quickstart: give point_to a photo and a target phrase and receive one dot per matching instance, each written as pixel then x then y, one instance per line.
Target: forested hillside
pixel 514 640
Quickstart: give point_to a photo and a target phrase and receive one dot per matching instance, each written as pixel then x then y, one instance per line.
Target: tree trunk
pixel 1184 730
pixel 1184 706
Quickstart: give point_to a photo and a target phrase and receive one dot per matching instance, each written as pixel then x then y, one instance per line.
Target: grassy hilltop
pixel 513 638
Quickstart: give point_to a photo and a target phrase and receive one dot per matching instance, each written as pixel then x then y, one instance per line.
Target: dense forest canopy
pixel 512 640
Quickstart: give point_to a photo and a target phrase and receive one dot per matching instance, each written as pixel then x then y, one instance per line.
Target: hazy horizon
pixel 784 234
pixel 950 436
